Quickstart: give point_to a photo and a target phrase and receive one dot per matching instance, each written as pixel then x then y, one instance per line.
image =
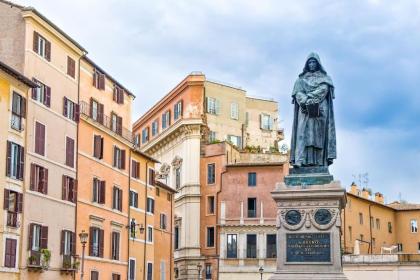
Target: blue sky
pixel 369 48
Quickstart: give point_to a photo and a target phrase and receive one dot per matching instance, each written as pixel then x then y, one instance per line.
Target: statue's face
pixel 312 65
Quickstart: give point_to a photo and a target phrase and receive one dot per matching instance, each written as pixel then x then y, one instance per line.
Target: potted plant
pixel 76 265
pixel 46 257
pixel 32 260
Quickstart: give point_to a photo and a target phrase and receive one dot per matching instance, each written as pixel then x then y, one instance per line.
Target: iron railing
pixel 12 219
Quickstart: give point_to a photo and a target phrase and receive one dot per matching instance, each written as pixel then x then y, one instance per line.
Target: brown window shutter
pixel 64 188
pixel 120 199
pixel 91 108
pixel 44 237
pixel 114 194
pixel 19 202
pixel 102 192
pixel 95 78
pixel 96 145
pixel 133 169
pixel 63 232
pixel 73 243
pixel 45 181
pixel 30 235
pixel 39 138
pixel 75 187
pixel 6 199
pixel 9 158
pixel 47 101
pixel 32 177
pixel 23 107
pixel 101 113
pixel 76 112
pixel 102 149
pixel 21 163
pixel 48 50
pixel 69 152
pixel 119 125
pixel 118 246
pixel 138 170
pixel 64 106
pixel 101 81
pixel 122 93
pixel 91 241
pixel 35 41
pixel 101 243
pixel 115 163
pixel 122 159
pixel 71 67
pixel 115 94
pixel 182 108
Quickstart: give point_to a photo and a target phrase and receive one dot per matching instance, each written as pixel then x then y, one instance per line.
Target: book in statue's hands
pixel 313 110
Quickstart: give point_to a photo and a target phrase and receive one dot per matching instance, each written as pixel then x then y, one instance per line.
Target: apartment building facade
pixel 14 89
pixel 43 52
pixel 175 131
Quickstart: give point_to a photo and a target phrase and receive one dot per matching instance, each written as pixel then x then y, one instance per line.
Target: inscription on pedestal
pixel 308 247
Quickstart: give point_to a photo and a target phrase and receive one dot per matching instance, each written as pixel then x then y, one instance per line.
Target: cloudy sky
pixel 369 48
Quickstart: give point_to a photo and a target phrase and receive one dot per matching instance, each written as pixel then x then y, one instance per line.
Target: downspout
pixel 171 237
pixel 129 212
pixel 145 222
pixel 370 228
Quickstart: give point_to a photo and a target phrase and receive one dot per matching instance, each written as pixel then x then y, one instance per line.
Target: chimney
pixel 365 193
pixel 354 189
pixel 379 198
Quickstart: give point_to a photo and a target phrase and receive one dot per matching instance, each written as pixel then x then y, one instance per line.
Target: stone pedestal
pixel 308 235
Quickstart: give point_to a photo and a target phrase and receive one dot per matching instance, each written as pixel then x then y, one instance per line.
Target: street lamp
pixel 199 270
pixel 133 228
pixel 261 270
pixel 83 239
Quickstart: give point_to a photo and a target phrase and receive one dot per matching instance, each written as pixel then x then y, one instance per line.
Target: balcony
pixel 69 264
pixel 106 122
pixel 34 260
pixel 12 220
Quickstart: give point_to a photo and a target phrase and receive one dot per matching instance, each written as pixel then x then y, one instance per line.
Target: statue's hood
pixel 316 57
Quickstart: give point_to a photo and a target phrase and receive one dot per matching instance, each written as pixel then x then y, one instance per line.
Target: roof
pixel 109 76
pixel 250 164
pixel 164 186
pixel 9 70
pixel 137 151
pixel 404 206
pixel 31 9
pixel 370 201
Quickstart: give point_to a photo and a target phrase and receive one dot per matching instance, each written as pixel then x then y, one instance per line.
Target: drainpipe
pixel 145 222
pixel 370 228
pixel 171 237
pixel 129 211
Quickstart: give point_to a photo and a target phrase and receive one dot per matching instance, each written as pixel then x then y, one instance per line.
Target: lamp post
pixel 83 239
pixel 261 270
pixel 199 270
pixel 133 228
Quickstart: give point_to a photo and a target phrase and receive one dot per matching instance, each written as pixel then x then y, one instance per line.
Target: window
pixel 116 123
pixel 212 136
pixel 400 247
pixel 211 175
pixel 115 246
pixel 208 271
pixel 13 202
pixel 98 79
pixel 134 199
pixel 389 227
pixel 361 218
pixel 151 177
pixel 413 226
pixel 132 269
pixel 38 237
pixel 176 237
pixel 15 161
pixel 162 221
pixel 94 275
pixel 372 222
pixel 235 140
pixel 98 191
pixel 162 270
pixel 18 111
pixel 210 237
pixel 97 111
pixel 251 246
pixel 117 198
pixel 96 242
pixel 119 158
pixel 271 246
pixel 378 224
pixel 178 110
pixel 68 189
pixel 149 271
pixel 232 246
pixel 118 95
pixel 116 276
pixel 150 205
pixel 149 234
pixel 213 106
pixel 145 135
pixel 350 233
pixel 252 179
pixel 39 138
pixel 155 127
pixel 266 122
pixel 137 140
pixel 178 177
pixel 41 46
pixel 10 253
pixel 69 152
pixel 210 205
pixel 68 243
pixel 38 179
pixel 70 109
pixel 42 93
pixel 71 67
pixel 166 119
pixel 98 146
pixel 252 207
pixel 234 111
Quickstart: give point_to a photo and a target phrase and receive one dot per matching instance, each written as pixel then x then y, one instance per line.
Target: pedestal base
pixel 308 276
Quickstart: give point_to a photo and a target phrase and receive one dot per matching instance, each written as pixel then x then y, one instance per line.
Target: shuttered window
pixel 42 93
pixel 69 188
pixel 150 205
pixel 71 67
pixel 40 138
pixel 98 79
pixel 71 110
pixel 132 269
pixel 119 158
pixel 116 123
pixel 96 111
pixel 135 169
pixel 162 221
pixel 98 191
pixel 69 152
pixel 155 127
pixel 211 175
pixel 118 95
pixel 115 246
pixel 39 179
pixel 38 237
pixel 41 46
pixel 98 146
pixel 10 253
pixel 166 119
pixel 96 242
pixel 94 275
pixel 178 110
pixel 134 199
pixel 18 111
pixel 151 177
pixel 117 198
pixel 15 161
pixel 68 243
pixel 145 135
pixel 13 201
